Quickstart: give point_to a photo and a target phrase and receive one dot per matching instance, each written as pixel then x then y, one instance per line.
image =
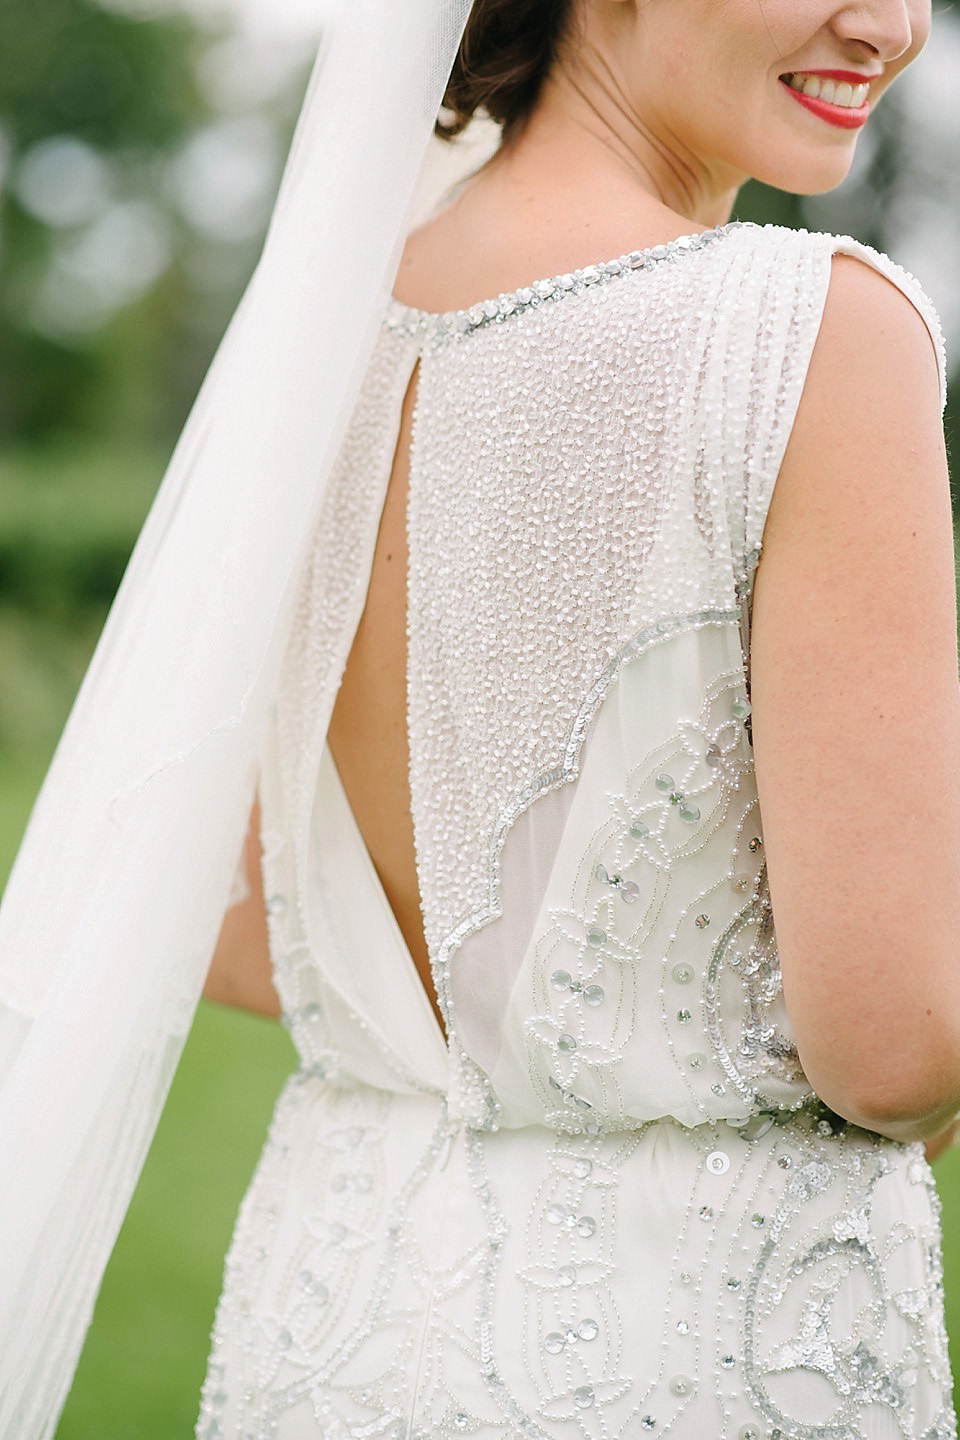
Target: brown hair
pixel 506 50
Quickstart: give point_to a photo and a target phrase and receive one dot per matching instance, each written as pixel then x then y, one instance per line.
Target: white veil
pixel 113 908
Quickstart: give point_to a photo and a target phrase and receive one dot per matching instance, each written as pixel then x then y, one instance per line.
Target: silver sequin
pixel 592 464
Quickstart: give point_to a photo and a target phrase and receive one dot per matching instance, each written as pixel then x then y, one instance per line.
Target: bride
pixel 594 814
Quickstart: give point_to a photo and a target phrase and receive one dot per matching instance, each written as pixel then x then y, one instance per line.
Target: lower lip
pixel 839 115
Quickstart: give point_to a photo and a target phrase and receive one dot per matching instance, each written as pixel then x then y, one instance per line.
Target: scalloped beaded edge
pixel 410 321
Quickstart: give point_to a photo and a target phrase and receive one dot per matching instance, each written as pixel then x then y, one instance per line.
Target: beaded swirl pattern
pixel 611 1205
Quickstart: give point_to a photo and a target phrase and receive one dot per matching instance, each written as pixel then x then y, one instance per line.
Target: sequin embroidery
pixel 612 1205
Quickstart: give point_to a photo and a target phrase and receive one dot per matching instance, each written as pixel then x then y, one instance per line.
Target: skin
pixel 654 114
pixel 684 100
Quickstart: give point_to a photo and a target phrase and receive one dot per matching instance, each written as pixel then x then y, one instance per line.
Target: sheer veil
pixel 114 905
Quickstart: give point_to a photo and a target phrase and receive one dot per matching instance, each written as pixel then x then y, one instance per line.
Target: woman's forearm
pixel 241 972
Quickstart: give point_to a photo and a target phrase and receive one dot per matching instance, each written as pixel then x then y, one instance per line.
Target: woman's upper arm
pixel 856 712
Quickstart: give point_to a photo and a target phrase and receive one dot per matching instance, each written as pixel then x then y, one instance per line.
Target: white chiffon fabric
pixel 114 905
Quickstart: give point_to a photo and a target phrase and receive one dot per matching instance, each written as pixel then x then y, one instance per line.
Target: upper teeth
pixel 836 92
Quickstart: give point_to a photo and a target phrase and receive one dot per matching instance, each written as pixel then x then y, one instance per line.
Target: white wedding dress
pixel 612 1205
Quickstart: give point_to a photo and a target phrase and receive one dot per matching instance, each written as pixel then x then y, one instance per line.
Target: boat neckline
pixel 399 315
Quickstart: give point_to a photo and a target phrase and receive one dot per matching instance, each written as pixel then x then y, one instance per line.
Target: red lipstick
pixel 840 115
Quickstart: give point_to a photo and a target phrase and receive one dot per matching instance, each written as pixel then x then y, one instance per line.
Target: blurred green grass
pixel 144 1360
pixel 143 1363
pixel 68 521
pixel 69 515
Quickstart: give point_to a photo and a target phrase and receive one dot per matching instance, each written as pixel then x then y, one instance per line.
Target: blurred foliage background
pixel 141 143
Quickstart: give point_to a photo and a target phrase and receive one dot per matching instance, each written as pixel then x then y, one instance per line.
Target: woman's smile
pixel 837 96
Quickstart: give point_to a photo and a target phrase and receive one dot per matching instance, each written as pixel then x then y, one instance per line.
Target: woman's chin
pixel 810 175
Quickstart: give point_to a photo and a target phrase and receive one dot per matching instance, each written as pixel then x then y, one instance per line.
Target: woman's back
pixel 463 1236
pixel 661 1167
pixel 368 728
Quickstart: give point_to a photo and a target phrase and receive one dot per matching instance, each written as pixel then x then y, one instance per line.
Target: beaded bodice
pixel 612 1205
pixel 591 464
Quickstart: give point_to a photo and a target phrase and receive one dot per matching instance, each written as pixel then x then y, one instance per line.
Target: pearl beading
pixel 412 1263
pixel 409 320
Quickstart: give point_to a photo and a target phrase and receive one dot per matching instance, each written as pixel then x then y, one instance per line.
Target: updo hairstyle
pixel 506 51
